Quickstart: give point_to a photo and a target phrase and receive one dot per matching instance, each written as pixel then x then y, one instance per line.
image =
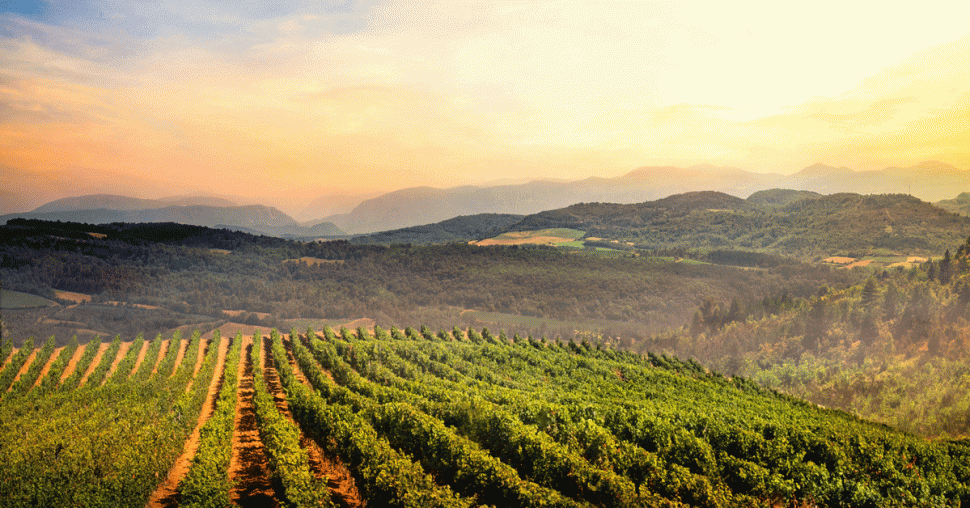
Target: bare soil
pixel 72 363
pixel 162 351
pixel 249 466
pixel 47 367
pixel 94 363
pixel 74 297
pixel 141 356
pixel 166 495
pixel 125 346
pixel 23 369
pixel 179 355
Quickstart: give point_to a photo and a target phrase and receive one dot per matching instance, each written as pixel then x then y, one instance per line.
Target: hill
pixel 251 218
pixel 893 347
pixel 464 228
pixel 808 225
pixel 959 204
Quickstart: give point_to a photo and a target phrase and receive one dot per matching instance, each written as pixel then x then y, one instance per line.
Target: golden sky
pixel 159 97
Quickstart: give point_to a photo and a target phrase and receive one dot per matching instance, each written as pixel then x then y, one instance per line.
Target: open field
pixel 17 300
pixel 554 236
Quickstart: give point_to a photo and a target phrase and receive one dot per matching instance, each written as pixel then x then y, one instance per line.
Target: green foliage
pixel 207 482
pixel 12 368
pixel 288 461
pixel 107 359
pixel 110 454
pixel 87 356
pixel 26 382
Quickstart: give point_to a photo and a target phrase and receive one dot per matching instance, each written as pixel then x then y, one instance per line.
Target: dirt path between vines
pixel 343 489
pixel 72 364
pixel 122 352
pixel 23 368
pixel 94 363
pixel 166 495
pixel 162 351
pixel 141 357
pixel 249 465
pixel 179 355
pixel 47 367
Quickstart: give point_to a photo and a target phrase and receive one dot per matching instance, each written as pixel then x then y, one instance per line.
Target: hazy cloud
pixel 382 95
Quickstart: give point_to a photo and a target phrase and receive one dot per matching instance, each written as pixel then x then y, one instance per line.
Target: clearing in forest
pixel 554 236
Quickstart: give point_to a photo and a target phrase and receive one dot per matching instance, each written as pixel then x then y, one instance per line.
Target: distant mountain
pixel 97 201
pixel 810 226
pixel 114 202
pixel 930 181
pixel 249 218
pixel 464 228
pixel 325 206
pixel 425 205
pixel 197 200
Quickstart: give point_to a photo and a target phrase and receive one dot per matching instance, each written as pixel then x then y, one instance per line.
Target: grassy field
pixel 553 236
pixel 16 300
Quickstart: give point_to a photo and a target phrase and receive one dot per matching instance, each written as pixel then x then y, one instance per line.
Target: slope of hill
pixel 454 419
pixel 959 204
pixel 250 218
pixel 464 228
pixel 893 347
pixel 780 197
pixel 805 227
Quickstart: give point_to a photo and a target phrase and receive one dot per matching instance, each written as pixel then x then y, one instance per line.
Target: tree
pixel 869 292
pixel 945 269
pixel 890 302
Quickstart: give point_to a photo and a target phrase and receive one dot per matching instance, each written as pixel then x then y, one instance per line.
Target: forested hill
pixel 458 229
pixel 808 225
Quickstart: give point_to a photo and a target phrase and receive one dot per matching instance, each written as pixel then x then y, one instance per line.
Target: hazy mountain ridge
pixel 418 206
pixel 116 202
pixel 930 181
pixel 259 219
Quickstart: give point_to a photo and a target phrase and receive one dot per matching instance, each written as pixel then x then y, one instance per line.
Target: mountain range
pixel 416 206
pixel 255 219
pixel 929 181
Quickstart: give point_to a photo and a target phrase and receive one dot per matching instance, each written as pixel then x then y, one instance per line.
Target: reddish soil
pixel 179 355
pixel 74 297
pixel 47 367
pixel 125 346
pixel 141 356
pixel 249 466
pixel 343 489
pixel 162 351
pixel 72 363
pixel 24 368
pixel 94 363
pixel 166 495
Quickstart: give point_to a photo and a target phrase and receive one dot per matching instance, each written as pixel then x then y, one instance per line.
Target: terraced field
pixel 415 418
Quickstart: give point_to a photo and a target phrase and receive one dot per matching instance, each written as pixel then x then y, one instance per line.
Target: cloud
pixel 299 95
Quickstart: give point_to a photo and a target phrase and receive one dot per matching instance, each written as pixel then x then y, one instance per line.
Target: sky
pixel 291 100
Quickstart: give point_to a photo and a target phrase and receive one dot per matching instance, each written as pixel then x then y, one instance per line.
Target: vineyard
pixel 375 417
